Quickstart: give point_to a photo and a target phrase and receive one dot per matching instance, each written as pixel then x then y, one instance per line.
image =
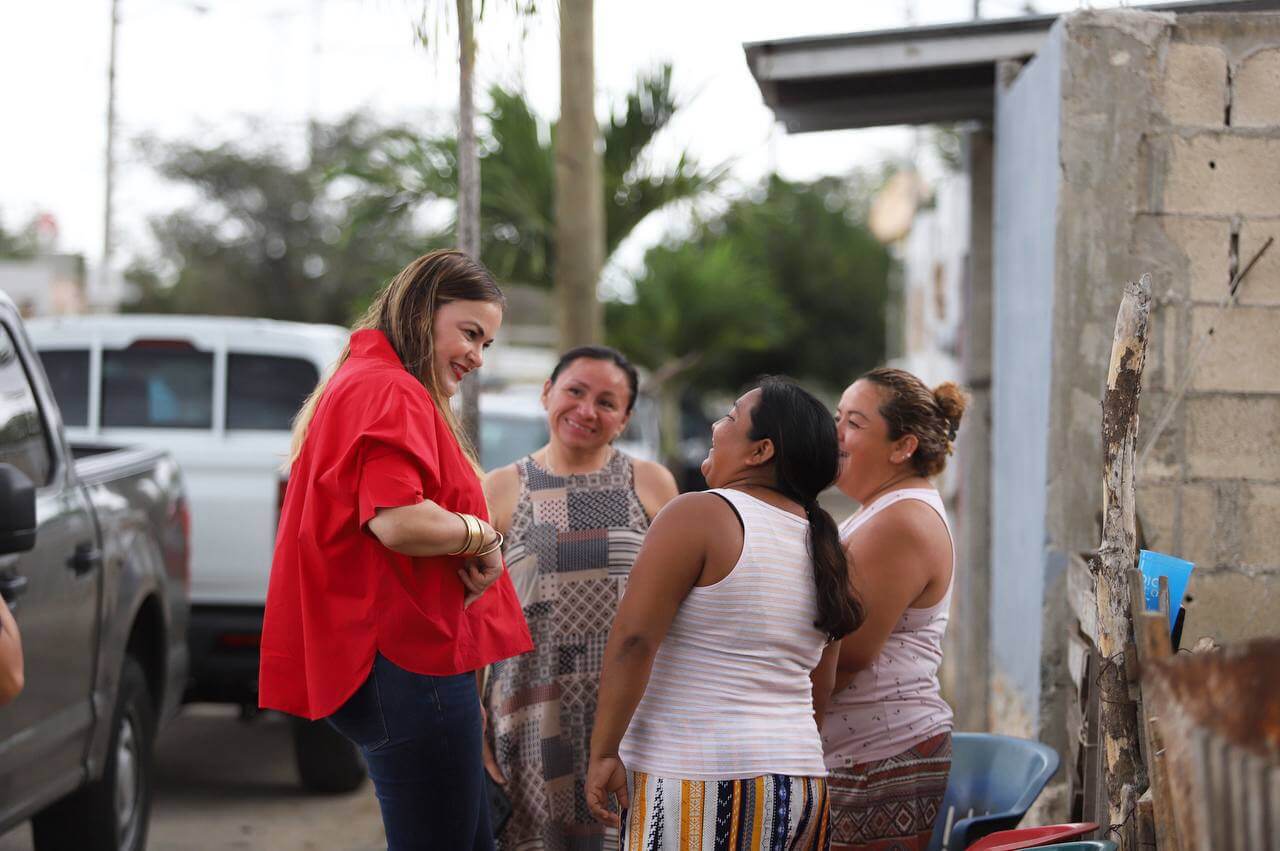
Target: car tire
pixel 113 812
pixel 328 762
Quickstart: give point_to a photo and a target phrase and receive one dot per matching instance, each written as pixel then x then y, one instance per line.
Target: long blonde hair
pixel 405 312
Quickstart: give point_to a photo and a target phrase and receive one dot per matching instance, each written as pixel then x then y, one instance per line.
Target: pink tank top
pixel 895 703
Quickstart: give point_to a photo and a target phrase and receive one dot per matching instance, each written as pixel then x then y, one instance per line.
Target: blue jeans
pixel 421 738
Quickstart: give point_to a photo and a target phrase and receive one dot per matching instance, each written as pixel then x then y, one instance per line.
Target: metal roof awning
pixel 918 75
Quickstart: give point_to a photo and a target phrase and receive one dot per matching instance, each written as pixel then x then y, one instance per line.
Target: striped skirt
pixel 890 804
pixel 769 813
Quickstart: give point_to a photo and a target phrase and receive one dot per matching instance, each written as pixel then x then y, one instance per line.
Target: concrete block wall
pixel 1209 199
pixel 1166 141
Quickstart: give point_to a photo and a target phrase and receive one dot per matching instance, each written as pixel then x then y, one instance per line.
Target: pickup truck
pixel 93 562
pixel 220 393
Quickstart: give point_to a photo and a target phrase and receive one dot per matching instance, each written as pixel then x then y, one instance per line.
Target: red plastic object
pixel 1032 837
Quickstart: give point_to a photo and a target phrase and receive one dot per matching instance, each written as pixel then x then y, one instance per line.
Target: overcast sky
pixel 199 68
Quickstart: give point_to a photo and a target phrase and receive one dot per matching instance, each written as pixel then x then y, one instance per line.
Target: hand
pixel 478 574
pixel 607 777
pixel 491 764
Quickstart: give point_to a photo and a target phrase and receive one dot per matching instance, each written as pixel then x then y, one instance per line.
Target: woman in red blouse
pixel 387 586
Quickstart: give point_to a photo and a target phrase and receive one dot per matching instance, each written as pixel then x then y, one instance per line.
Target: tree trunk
pixel 579 183
pixel 1125 774
pixel 468 188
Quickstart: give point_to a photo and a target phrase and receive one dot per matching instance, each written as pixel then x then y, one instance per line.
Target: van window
pixel 157 387
pixel 265 391
pixel 505 438
pixel 68 371
pixel 23 442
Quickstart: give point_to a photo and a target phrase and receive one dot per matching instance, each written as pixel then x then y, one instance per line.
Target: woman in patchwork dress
pixel 574 514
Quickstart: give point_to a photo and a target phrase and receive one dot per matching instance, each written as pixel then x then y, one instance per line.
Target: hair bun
pixel 952 400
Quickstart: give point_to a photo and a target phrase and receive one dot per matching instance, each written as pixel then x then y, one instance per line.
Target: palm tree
pixel 579 231
pixel 399 168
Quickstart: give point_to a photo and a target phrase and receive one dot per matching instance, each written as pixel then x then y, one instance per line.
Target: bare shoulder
pixel 908 520
pixel 653 473
pixel 654 485
pixel 693 511
pixel 501 490
pixel 501 481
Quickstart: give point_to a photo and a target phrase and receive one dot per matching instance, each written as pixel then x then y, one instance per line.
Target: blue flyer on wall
pixel 1154 565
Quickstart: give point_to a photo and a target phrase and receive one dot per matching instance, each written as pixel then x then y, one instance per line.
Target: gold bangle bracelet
pixel 466 535
pixel 477 534
pixel 496 545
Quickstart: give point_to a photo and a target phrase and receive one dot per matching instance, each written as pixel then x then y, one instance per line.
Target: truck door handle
pixel 86 558
pixel 12 586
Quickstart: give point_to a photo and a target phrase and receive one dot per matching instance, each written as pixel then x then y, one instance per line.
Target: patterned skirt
pixel 759 814
pixel 890 804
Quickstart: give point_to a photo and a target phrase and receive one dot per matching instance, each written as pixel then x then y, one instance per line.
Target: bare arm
pixel 667 568
pixel 889 566
pixel 424 529
pixel 655 486
pixel 823 678
pixel 11 673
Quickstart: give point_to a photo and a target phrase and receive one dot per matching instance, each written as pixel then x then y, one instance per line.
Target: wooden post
pixel 1117 711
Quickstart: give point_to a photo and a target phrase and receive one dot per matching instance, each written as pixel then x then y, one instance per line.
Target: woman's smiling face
pixel 731 443
pixel 587 404
pixel 462 330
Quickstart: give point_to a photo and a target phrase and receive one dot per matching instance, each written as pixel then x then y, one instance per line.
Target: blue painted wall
pixel 1025 223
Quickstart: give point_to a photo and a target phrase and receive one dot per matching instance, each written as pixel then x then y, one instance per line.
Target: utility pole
pixel 108 244
pixel 468 187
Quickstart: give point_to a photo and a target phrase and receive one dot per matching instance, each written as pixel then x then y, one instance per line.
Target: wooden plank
pixel 1117 713
pixel 1255 794
pixel 1145 819
pixel 1166 825
pixel 1273 808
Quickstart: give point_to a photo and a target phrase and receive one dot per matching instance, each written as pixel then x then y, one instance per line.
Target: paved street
pixel 222 785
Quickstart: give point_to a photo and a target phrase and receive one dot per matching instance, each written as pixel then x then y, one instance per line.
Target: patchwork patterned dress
pixel 573 540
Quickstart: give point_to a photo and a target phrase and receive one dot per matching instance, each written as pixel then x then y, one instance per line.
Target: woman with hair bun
pixel 887 730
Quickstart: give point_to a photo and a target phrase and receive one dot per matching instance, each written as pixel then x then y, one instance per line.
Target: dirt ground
pixel 224 785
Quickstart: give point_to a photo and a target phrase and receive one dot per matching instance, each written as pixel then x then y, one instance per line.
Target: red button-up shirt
pixel 337 594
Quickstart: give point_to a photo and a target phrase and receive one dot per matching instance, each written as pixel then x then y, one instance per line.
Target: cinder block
pixel 1243 353
pixel 1233 437
pixel 1195 85
pixel 1206 244
pixel 1163 463
pixel 1229 606
pixel 1261 546
pixel 1262 284
pixel 1255 91
pixel 1222 174
pixel 1198 522
pixel 1161 368
pixel 1157 511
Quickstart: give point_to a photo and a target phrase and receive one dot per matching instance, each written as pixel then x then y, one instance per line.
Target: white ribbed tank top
pixel 730 696
pixel 895 703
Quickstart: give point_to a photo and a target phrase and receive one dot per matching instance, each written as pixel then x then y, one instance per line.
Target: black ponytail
pixel 806 461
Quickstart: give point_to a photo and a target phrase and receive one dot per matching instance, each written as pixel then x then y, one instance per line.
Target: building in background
pixel 1100 145
pixel 46 284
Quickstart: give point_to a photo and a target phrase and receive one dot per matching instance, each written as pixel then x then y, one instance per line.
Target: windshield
pixel 505 438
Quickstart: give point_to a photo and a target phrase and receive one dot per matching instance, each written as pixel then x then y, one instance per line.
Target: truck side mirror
pixel 17 511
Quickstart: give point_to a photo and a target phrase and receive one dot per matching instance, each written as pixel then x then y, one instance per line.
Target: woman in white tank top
pixel 887 730
pixel 723 651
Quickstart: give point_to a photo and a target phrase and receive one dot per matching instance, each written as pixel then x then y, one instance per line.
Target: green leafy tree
pixel 272 237
pixel 786 280
pixel 19 244
pixel 517 190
